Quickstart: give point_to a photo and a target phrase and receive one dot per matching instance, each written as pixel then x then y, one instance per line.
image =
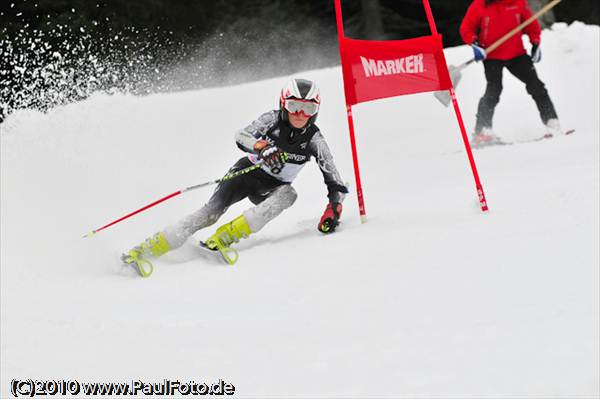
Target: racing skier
pixel 282 141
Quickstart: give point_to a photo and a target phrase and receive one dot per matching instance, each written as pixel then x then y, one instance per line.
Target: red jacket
pixel 486 24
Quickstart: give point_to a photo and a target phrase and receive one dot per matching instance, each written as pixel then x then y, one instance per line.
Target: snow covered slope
pixel 431 297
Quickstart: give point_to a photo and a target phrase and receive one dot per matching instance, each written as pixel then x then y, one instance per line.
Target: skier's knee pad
pixel 179 232
pixel 282 198
pixel 211 213
pixel 287 195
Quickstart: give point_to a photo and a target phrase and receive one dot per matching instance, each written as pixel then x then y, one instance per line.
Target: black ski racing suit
pixel 271 193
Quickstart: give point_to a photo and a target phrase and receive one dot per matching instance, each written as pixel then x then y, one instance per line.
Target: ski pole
pixel 176 193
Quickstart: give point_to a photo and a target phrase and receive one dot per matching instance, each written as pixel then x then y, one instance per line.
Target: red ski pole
pixel 176 193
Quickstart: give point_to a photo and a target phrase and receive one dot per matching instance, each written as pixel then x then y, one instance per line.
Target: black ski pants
pixel 270 195
pixel 255 185
pixel 522 68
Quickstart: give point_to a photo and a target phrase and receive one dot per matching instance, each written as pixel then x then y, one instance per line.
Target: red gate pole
pixel 480 193
pixel 359 191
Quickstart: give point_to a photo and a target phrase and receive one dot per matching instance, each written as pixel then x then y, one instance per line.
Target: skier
pixel 485 22
pixel 282 141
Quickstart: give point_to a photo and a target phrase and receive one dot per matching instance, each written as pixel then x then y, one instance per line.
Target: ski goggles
pixel 294 106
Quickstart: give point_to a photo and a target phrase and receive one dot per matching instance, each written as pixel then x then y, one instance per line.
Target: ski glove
pixel 536 53
pixel 272 156
pixel 478 52
pixel 331 218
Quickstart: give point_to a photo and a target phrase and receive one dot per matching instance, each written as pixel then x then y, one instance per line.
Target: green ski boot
pixel 136 257
pixel 226 235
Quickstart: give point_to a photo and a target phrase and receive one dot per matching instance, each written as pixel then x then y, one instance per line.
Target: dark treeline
pixel 56 51
pixel 182 21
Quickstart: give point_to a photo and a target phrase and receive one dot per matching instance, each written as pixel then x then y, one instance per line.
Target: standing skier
pixel 282 141
pixel 485 22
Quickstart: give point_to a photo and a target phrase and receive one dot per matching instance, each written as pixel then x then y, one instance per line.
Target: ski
pixel 141 266
pixel 503 143
pixel 490 144
pixel 228 254
pixel 546 136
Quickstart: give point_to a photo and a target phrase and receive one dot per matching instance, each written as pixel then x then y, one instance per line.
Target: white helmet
pixel 300 95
